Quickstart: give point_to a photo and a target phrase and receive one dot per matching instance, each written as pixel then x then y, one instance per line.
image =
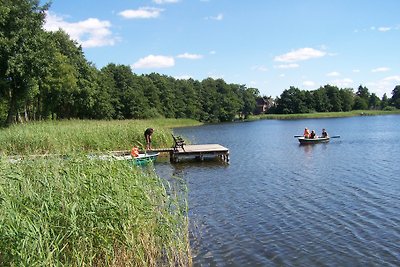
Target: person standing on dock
pixel 147 137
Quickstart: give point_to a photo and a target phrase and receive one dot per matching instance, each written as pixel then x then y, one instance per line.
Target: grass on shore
pixel 82 212
pixel 76 136
pixel 324 115
pixel 76 211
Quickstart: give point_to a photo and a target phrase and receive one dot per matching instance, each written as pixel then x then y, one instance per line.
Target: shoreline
pixel 321 115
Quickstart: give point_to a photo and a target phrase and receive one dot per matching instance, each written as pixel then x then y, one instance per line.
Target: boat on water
pixel 310 141
pixel 141 159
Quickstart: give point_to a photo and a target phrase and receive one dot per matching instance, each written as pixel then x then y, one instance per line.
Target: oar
pixel 335 136
pixel 298 136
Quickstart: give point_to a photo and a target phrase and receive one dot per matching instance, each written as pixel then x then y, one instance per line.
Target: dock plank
pixel 204 148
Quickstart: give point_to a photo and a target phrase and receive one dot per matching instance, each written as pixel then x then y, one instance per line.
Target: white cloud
pixel 300 54
pixel 190 56
pixel 260 68
pixel 333 74
pixel 220 16
pixel 395 78
pixel 385 85
pixel 287 66
pixel 213 52
pixel 89 33
pixel 381 69
pixel 356 71
pixel 153 61
pixel 384 29
pixel 309 83
pixel 141 13
pixel 160 2
pixel 213 75
pixel 347 82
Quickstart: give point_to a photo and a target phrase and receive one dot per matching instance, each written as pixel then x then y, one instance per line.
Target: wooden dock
pixel 199 152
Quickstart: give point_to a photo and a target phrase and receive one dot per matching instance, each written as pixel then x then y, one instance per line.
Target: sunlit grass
pixel 69 210
pixel 83 212
pixel 75 136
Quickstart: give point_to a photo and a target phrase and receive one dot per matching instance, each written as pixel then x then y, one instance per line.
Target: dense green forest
pixel 45 75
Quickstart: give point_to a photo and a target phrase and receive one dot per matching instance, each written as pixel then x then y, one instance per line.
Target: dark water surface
pixel 281 204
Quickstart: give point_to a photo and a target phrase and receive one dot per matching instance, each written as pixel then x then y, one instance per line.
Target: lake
pixel 282 204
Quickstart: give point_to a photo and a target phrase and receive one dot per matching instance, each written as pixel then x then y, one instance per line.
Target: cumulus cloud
pixel 153 61
pixel 395 78
pixel 309 83
pixel 300 54
pixel 190 56
pixel 333 74
pixel 141 13
pixel 287 66
pixel 381 69
pixel 220 16
pixel 260 68
pixel 89 33
pixel 160 2
pixel 347 82
pixel 384 29
pixel 385 85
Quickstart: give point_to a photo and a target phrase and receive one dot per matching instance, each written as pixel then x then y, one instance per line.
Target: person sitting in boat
pixel 324 134
pixel 306 133
pixel 312 135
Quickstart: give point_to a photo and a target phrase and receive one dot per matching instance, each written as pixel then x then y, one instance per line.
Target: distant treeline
pixel 45 75
pixel 332 99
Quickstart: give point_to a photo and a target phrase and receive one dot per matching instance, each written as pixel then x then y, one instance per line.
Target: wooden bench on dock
pixel 178 142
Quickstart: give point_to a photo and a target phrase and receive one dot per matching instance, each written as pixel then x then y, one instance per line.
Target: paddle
pixel 298 136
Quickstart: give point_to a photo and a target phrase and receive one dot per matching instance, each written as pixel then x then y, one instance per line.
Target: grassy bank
pixel 75 136
pixel 77 211
pixel 82 212
pixel 324 115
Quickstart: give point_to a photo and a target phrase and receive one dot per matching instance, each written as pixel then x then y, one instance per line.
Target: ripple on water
pixel 281 204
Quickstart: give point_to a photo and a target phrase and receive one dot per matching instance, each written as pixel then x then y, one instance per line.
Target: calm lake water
pixel 281 204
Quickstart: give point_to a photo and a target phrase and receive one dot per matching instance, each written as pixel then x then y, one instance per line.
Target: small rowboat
pixel 309 141
pixel 145 158
pixel 141 159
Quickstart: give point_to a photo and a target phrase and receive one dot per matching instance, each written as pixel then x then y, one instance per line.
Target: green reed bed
pixel 87 212
pixel 68 209
pixel 75 136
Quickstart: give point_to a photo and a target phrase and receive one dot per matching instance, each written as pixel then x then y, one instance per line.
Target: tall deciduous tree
pixel 20 32
pixel 374 102
pixel 347 96
pixel 395 100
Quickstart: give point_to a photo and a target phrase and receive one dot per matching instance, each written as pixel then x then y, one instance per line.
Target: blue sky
pixel 267 44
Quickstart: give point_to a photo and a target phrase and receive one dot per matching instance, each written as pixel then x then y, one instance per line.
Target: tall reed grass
pixel 79 211
pixel 85 212
pixel 75 136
